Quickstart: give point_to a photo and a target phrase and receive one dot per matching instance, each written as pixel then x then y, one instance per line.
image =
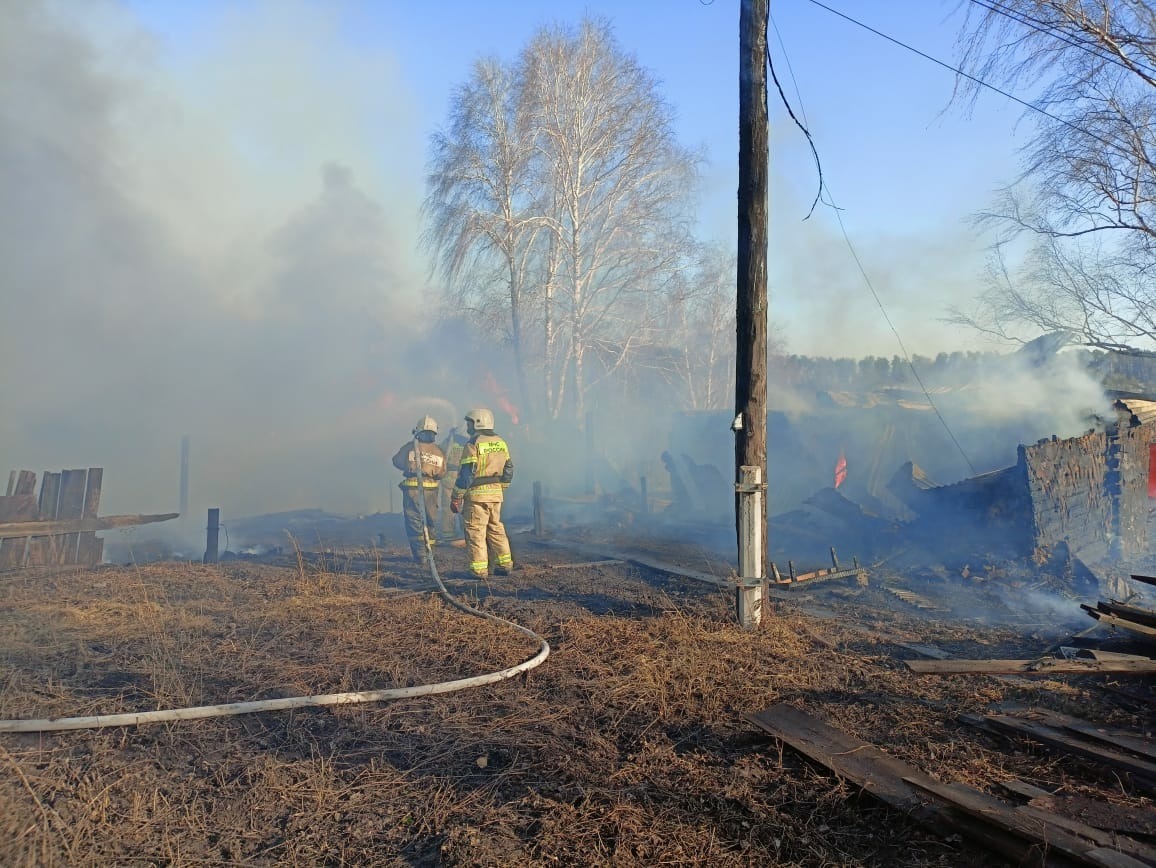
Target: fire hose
pixel 199 712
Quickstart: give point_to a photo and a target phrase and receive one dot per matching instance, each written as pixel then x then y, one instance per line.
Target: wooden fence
pixel 69 494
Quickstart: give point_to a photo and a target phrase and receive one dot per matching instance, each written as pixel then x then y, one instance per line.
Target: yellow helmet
pixel 425 423
pixel 481 417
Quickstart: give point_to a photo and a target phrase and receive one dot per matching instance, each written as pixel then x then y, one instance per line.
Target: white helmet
pixel 481 417
pixel 425 423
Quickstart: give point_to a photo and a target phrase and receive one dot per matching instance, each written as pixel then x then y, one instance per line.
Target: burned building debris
pixel 1078 508
pixel 1089 496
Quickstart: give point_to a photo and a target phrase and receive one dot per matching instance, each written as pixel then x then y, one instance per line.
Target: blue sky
pixel 907 168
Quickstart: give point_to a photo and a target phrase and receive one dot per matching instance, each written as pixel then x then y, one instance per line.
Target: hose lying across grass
pixel 100 721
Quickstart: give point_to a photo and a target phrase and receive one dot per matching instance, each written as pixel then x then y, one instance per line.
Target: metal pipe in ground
pixel 537 509
pixel 749 594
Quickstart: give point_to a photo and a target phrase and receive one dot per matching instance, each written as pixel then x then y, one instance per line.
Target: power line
pixel 899 340
pixel 830 203
pixel 966 75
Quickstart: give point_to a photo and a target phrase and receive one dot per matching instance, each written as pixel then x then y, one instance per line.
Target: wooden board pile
pixel 1136 620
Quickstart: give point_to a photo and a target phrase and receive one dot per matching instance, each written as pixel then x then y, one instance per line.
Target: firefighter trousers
pixel 486 537
pixel 412 507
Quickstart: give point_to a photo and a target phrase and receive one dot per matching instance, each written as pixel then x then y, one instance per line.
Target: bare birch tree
pixel 559 204
pixel 1087 194
pixel 619 182
pixel 481 212
pixel 698 320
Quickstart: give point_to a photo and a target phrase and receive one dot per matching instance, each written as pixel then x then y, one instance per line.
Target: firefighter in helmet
pixel 485 473
pixel 421 452
pixel 451 524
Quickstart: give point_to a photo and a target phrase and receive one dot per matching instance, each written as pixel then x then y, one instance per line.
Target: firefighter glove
pixel 456 505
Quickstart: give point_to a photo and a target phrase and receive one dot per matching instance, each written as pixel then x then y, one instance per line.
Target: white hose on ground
pixel 100 721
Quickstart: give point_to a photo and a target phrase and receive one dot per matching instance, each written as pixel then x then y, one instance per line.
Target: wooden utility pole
pixel 751 313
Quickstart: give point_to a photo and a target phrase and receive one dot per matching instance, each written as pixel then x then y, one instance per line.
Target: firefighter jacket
pixel 433 464
pixel 486 469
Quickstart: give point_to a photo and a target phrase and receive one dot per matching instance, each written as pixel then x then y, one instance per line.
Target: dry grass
pixel 627 747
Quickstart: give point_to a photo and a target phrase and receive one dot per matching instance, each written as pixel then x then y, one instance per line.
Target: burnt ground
pixel 628 746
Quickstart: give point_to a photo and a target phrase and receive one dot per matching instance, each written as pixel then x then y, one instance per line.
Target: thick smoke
pixel 223 244
pixel 212 248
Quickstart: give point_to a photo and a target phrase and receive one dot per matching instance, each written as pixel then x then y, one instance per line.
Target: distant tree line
pixel 878 372
pixel 1120 371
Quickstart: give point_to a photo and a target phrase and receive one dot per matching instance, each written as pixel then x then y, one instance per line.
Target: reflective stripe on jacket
pixel 486 469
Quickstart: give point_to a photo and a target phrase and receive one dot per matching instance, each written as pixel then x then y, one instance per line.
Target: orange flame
pixel 840 469
pixel 491 386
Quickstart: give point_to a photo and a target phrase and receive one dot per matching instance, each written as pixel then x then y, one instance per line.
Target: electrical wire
pixel 899 340
pixel 101 721
pixel 966 75
pixel 830 203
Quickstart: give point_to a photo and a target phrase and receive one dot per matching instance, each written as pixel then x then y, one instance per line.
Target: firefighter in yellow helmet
pixel 485 473
pixel 415 489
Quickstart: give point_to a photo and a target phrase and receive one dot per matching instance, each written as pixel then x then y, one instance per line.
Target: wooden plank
pixel 858 573
pixel 50 496
pixel 1100 654
pixel 1129 697
pixel 1100 837
pixel 1140 771
pixel 1119 738
pixel 25 483
pixel 891 780
pixel 41 549
pixel 652 564
pixel 1121 623
pixel 1023 788
pixel 1045 666
pixel 72 484
pixel 926 650
pixel 86 551
pixel 1138 823
pixel 1052 835
pixel 864 765
pixel 1130 613
pixel 19 506
pixel 79 525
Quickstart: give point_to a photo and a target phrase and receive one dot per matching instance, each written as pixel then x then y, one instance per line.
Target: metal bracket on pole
pixel 749 593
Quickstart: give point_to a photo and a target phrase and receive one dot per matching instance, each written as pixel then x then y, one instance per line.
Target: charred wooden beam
pixel 794 578
pixel 1128 613
pixel 1025 835
pixel 1120 739
pixel 1140 771
pixel 1124 623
